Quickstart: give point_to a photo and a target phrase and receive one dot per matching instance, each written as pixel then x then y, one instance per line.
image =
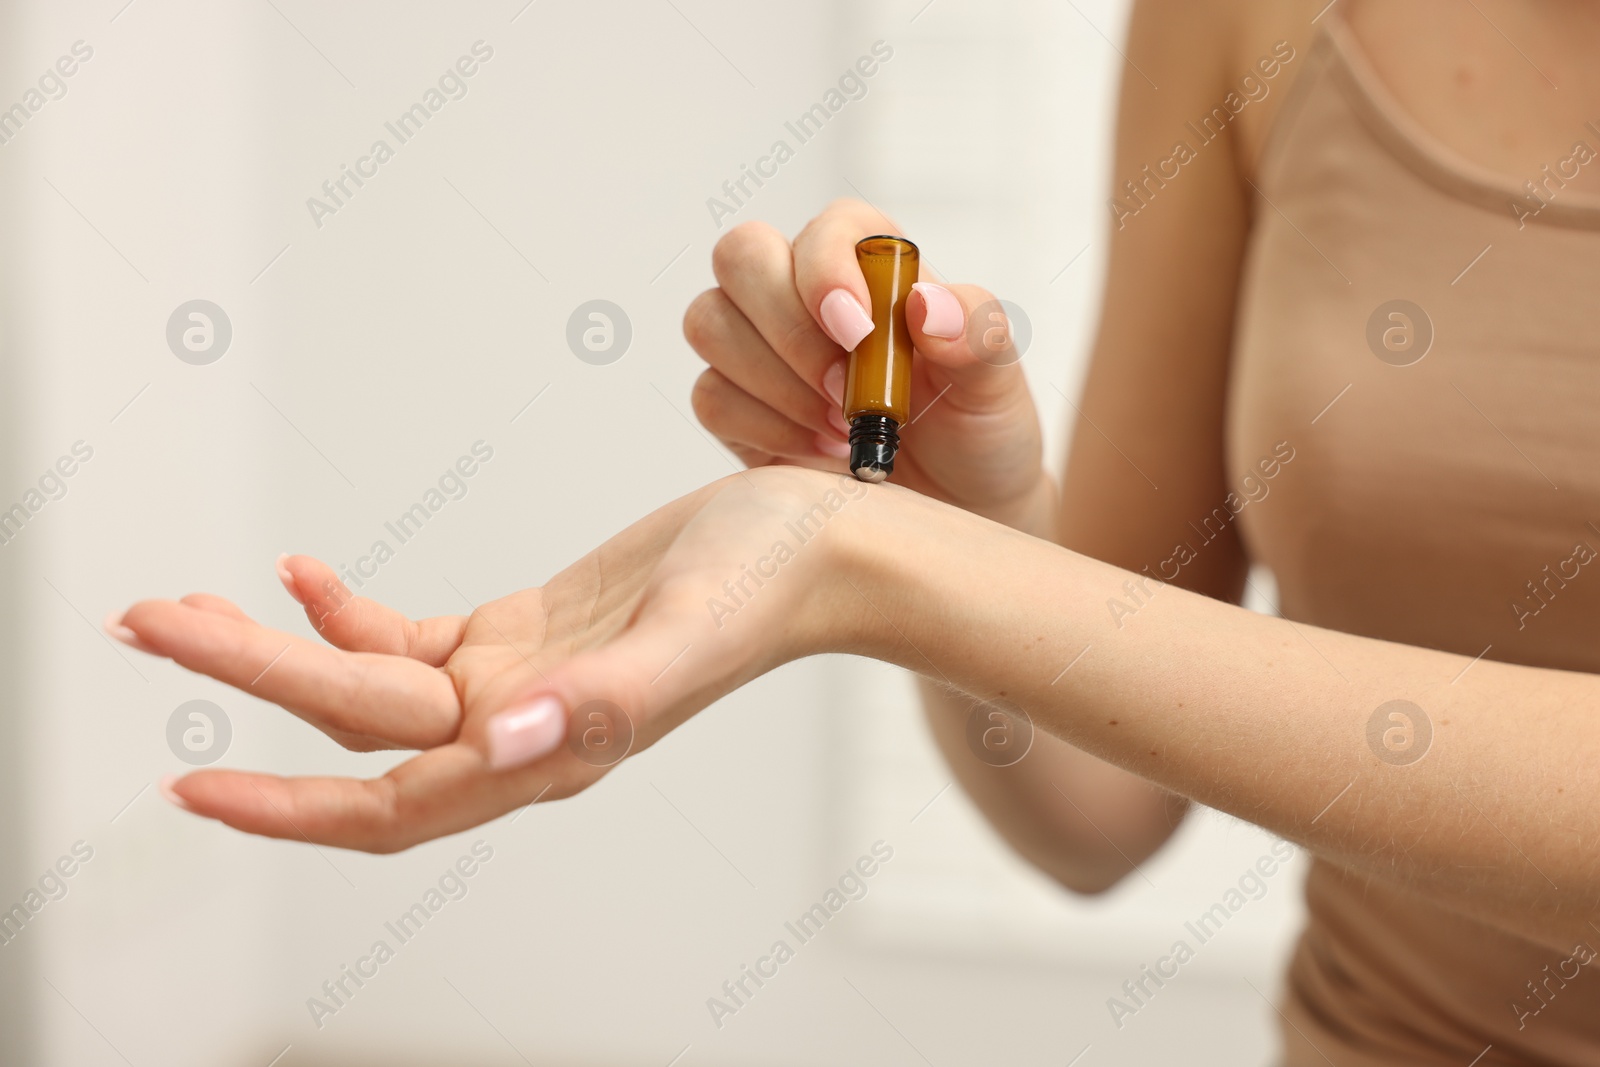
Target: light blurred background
pixel 367 354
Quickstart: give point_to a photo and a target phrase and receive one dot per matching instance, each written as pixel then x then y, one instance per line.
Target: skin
pixel 1186 703
pixel 614 626
pixel 1157 381
pixel 1192 698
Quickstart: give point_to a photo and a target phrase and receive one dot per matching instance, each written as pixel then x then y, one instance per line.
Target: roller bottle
pixel 877 393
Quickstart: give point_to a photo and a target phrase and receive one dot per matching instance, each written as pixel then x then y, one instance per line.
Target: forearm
pixel 1256 716
pixel 1035 512
pixel 1077 818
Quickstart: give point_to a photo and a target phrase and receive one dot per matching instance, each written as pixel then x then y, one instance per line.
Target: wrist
pixel 951 595
pixel 887 574
pixel 831 521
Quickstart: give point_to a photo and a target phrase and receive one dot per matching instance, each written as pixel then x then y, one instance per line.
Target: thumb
pixel 964 332
pixel 624 695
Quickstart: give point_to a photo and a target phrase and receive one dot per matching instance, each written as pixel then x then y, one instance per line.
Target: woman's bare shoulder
pixel 1210 49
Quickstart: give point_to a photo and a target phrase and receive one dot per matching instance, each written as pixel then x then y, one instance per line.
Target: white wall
pixel 368 354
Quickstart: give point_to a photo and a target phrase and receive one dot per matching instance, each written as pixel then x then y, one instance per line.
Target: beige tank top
pixel 1445 493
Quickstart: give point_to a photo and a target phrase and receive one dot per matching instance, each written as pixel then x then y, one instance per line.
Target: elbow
pixel 1088 882
pixel 1083 873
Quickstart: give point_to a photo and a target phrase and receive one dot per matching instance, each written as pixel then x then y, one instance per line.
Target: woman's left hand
pixel 536 695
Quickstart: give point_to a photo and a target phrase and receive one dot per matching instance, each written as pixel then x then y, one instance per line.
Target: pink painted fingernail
pixel 846 321
pixel 832 446
pixel 114 627
pixel 165 786
pixel 286 578
pixel 524 734
pixel 945 316
pixel 833 382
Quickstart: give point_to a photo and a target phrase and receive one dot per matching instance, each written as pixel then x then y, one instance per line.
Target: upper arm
pixel 1146 455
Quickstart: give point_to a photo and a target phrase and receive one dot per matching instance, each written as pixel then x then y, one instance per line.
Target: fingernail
pixel 836 420
pixel 165 785
pixel 846 321
pixel 114 627
pixel 832 446
pixel 286 578
pixel 524 734
pixel 945 317
pixel 833 382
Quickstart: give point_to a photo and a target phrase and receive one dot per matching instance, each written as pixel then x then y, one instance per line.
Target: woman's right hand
pixel 777 332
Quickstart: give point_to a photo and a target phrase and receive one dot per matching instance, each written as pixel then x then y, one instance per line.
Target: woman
pixel 1346 334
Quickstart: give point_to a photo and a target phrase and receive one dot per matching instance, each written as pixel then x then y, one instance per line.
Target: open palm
pixel 626 643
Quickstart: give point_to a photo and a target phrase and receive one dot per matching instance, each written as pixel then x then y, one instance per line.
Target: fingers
pixel 752 457
pixel 215 604
pixel 963 331
pixel 725 336
pixel 831 285
pixel 755 268
pixel 447 789
pixel 324 811
pixel 399 700
pixel 672 660
pixel 740 420
pixel 442 791
pixel 358 624
pixel 759 335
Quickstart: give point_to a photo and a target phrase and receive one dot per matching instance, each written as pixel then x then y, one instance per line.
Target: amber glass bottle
pixel 877 392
